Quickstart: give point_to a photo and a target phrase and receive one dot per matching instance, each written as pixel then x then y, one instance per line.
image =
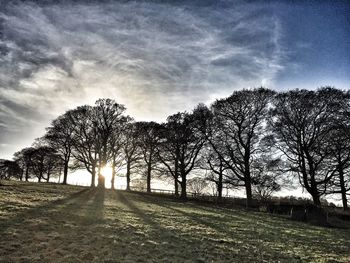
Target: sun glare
pixel 107 173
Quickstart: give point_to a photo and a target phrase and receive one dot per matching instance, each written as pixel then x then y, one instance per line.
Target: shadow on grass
pixel 138 212
pixel 38 211
pixel 92 222
pixel 268 236
pixel 96 208
pixel 210 212
pixel 86 209
pixel 158 231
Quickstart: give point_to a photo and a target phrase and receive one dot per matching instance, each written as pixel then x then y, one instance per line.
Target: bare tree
pixel 168 152
pixel 180 147
pixel 24 159
pixel 268 177
pixel 235 130
pixel 216 170
pixel 131 150
pixel 149 140
pixel 45 161
pixel 86 147
pixel 24 162
pixel 116 144
pixel 107 118
pixel 53 163
pixel 60 137
pixel 138 184
pixel 197 185
pixel 339 145
pixel 10 169
pixel 302 125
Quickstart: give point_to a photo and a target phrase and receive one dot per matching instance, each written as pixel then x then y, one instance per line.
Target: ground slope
pixel 54 223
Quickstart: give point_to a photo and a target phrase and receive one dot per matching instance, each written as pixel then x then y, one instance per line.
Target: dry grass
pixel 53 223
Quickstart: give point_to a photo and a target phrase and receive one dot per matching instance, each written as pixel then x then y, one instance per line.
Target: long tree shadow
pixel 85 210
pixel 41 210
pixel 221 225
pixel 96 208
pixel 267 234
pixel 69 224
pixel 147 218
pixel 216 239
pixel 208 207
pixel 157 230
pixel 210 213
pixel 218 226
pixel 138 212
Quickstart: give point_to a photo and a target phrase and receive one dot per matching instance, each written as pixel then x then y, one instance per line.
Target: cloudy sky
pixel 159 57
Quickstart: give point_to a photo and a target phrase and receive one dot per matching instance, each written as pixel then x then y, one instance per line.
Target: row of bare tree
pixel 254 139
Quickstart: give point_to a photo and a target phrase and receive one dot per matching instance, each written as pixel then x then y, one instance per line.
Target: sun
pixel 106 172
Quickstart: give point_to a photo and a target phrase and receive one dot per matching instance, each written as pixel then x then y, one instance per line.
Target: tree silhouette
pixel 339 145
pixel 267 176
pixel 149 140
pixel 302 124
pixel 116 144
pixel 211 161
pixel 60 137
pixel 86 147
pixel 216 169
pixel 197 185
pixel 252 139
pixel 45 162
pixel 10 169
pixel 131 148
pixel 107 117
pixel 235 131
pixel 24 159
pixel 180 147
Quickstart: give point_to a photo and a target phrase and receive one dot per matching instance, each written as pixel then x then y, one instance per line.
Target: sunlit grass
pixel 93 225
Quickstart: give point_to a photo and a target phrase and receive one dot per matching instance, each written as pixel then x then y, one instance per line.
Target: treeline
pixel 253 140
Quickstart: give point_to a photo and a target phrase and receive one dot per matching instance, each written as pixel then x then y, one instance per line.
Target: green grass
pixel 54 223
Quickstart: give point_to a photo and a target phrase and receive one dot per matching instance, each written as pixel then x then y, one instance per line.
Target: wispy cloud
pixel 156 58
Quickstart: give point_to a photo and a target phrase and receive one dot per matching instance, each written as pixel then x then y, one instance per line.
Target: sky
pixel 159 57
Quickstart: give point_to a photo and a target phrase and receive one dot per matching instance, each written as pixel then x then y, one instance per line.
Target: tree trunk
pixel 343 189
pixel 316 199
pixel 247 179
pixel 344 200
pixel 112 181
pixel 59 175
pixel 101 181
pixel 27 174
pixel 93 176
pixel 176 168
pixel 176 188
pixel 219 187
pixel 313 190
pixel 149 171
pixel 248 189
pixel 128 176
pixel 183 187
pixel 65 172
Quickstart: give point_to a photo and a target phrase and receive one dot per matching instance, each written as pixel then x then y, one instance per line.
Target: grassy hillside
pixel 54 223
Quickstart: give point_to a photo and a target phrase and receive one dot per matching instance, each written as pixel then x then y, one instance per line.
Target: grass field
pixel 54 223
